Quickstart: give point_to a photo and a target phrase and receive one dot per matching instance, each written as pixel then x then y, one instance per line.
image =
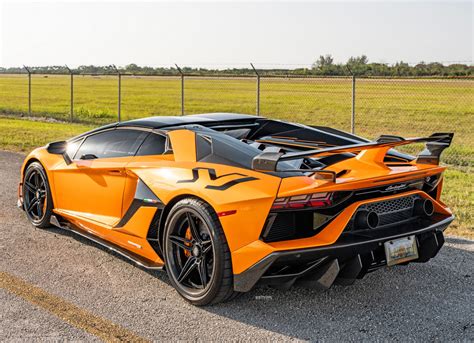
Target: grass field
pixel 402 107
pixel 23 135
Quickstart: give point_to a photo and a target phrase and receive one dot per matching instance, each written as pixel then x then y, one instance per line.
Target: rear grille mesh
pixel 394 205
pixel 288 225
pixel 282 228
pixel 390 212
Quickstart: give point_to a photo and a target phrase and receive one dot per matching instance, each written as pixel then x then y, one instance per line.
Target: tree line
pixel 323 66
pixel 360 65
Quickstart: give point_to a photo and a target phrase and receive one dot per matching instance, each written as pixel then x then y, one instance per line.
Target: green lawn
pixel 23 135
pixel 403 107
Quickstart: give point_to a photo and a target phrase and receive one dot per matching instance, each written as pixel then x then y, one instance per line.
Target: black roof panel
pixel 163 121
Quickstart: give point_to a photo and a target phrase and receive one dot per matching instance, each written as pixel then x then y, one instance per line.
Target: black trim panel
pixel 137 259
pixel 213 176
pixel 144 197
pixel 229 184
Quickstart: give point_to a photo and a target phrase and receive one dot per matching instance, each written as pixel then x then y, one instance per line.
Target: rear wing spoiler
pixel 435 144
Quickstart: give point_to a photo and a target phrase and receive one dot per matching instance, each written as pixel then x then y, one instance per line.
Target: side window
pixel 203 146
pixel 113 143
pixel 154 144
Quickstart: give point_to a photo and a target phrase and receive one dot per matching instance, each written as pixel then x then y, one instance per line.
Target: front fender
pixel 48 161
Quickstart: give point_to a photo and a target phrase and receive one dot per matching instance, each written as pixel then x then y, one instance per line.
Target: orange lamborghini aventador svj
pixel 224 202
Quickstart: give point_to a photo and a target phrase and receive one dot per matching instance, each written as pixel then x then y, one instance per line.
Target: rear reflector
pixel 226 213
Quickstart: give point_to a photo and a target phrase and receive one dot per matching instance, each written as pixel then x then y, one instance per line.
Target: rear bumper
pixel 351 257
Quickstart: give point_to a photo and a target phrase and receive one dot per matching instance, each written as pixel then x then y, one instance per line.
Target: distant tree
pixel 323 62
pixel 358 60
pixel 435 68
pixel 460 70
pixel 378 69
pixel 401 69
pixel 358 65
pixel 420 69
pixel 133 68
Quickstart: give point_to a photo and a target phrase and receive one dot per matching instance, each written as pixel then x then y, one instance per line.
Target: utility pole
pixel 182 88
pixel 29 89
pixel 119 109
pixel 353 100
pixel 258 89
pixel 71 111
pixel 353 104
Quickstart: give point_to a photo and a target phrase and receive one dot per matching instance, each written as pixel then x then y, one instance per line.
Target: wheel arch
pixel 27 163
pixel 157 226
pixel 31 159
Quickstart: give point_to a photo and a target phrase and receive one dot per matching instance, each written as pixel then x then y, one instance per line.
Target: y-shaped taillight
pixel 303 201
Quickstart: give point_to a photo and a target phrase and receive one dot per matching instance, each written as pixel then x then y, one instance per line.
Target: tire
pixel 37 200
pixel 209 279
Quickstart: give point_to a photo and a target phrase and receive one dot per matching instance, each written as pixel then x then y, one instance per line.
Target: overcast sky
pixel 232 33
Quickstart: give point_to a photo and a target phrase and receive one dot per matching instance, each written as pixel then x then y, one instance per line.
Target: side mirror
pixel 59 148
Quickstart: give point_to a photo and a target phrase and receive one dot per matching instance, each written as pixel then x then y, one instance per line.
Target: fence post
pixel 353 104
pixel 71 111
pixel 119 105
pixel 182 88
pixel 29 89
pixel 258 89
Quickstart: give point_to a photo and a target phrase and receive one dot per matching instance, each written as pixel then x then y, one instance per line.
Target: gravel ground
pixel 418 302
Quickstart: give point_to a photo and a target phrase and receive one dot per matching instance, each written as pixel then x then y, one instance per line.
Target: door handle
pixel 83 163
pixel 115 172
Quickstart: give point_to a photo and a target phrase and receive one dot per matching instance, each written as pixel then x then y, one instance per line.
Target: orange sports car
pixel 224 202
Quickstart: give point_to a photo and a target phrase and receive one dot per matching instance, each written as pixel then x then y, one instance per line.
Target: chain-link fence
pixel 419 107
pixel 367 106
pixel 314 101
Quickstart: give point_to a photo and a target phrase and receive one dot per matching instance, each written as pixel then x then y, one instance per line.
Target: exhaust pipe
pixel 423 207
pixel 366 220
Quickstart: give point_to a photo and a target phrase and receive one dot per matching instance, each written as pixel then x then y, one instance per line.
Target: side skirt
pixel 138 260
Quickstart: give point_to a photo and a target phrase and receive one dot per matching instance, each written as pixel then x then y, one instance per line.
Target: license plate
pixel 401 250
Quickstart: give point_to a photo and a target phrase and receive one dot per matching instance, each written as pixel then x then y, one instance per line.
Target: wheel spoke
pixel 30 187
pixel 206 247
pixel 32 204
pixel 39 209
pixel 36 177
pixel 193 227
pixel 181 242
pixel 42 194
pixel 202 273
pixel 188 267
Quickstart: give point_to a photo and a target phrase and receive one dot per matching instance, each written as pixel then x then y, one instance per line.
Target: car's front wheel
pixel 197 257
pixel 37 200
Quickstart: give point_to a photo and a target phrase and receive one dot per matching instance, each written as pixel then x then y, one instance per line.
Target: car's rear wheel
pixel 37 201
pixel 197 257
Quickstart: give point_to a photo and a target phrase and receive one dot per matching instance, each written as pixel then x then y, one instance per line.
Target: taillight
pixel 317 200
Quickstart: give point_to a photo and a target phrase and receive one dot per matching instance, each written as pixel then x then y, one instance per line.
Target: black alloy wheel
pixel 196 253
pixel 37 201
pixel 192 252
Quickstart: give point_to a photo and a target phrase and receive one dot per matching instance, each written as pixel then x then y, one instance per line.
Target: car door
pixel 92 186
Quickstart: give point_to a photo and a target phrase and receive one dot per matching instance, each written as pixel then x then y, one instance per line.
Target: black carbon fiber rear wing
pixel 435 144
